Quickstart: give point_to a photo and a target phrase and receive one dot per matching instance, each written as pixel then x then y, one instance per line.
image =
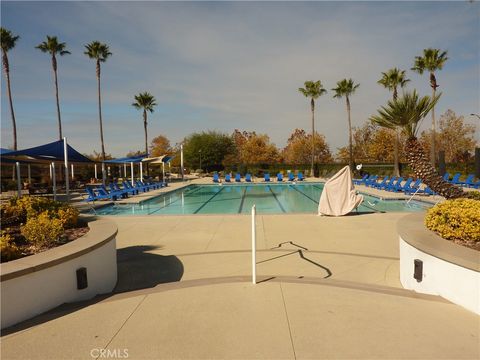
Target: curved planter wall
pixel 449 270
pixel 37 283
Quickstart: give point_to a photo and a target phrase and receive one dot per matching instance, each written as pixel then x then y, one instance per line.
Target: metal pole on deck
pixel 19 180
pixel 181 160
pixel 29 174
pixel 254 247
pixel 141 171
pixel 54 182
pixel 163 173
pixel 65 158
pixel 131 172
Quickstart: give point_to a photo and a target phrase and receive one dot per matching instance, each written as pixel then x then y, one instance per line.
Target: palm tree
pixel 391 80
pixel 99 52
pixel 145 101
pixel 7 43
pixel 431 61
pixel 53 47
pixel 313 90
pixel 347 88
pixel 407 113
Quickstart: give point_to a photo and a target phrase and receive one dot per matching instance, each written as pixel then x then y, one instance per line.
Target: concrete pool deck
pixel 329 289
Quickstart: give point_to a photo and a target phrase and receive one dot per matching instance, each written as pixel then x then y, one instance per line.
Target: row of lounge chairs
pixel 116 192
pixel 410 186
pixel 266 177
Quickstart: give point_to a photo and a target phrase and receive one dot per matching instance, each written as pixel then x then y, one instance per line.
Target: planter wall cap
pixel 412 230
pixel 101 232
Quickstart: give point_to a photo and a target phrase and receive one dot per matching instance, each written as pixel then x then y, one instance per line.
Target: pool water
pixel 239 199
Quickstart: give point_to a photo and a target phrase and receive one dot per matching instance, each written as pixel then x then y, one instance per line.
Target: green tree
pixel 100 53
pixel 407 113
pixel 53 47
pixel 431 61
pixel 391 80
pixel 298 149
pixel 211 146
pixel 7 43
pixel 346 88
pixel 313 90
pixel 146 102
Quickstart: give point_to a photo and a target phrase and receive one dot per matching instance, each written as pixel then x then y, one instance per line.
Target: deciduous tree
pixel 299 148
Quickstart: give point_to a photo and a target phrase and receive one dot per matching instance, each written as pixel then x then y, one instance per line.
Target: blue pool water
pixel 239 198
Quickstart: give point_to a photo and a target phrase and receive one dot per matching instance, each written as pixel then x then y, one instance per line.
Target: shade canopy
pixel 159 159
pixel 126 160
pixel 51 152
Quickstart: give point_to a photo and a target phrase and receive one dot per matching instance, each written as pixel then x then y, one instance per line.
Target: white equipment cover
pixel 338 196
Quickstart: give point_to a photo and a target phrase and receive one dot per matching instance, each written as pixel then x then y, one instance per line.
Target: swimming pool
pixel 239 198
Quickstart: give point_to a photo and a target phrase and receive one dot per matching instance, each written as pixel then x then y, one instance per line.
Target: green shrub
pixel 8 248
pixel 42 230
pixel 457 219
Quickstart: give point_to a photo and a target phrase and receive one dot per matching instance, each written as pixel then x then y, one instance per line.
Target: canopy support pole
pixel 67 179
pixel 163 173
pixel 29 174
pixel 131 172
pixel 141 171
pixel 19 180
pixel 73 175
pixel 96 174
pixel 125 170
pixel 181 160
pixel 54 181
pixel 103 173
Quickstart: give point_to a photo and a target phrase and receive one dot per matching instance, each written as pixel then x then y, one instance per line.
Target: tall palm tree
pixel 98 52
pixel 407 113
pixel 146 102
pixel 53 47
pixel 7 43
pixel 391 80
pixel 431 61
pixel 313 90
pixel 346 88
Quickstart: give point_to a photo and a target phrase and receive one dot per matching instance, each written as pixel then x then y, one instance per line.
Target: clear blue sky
pixel 226 65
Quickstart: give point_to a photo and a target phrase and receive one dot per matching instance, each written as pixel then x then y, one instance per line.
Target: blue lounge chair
pixel 248 178
pixel 401 188
pixel 140 187
pixel 291 176
pixel 456 179
pixel 360 181
pixel 228 178
pixel 446 177
pixel 215 178
pixel 387 184
pixel 372 180
pixel 127 190
pixel 381 183
pixel 104 193
pixel 149 186
pixel 470 182
pixel 266 177
pixel 92 196
pixel 279 177
pixel 394 185
pixel 128 185
pixel 412 189
pixel 300 177
pixel 121 192
pixel 238 177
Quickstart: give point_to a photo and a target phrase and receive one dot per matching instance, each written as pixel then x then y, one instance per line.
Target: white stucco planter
pixel 37 283
pixel 449 270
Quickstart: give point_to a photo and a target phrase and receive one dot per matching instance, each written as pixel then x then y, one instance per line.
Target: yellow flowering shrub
pixel 68 216
pixel 42 230
pixel 457 219
pixel 8 248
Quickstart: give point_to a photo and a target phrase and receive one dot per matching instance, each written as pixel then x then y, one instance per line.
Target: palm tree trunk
pixel 312 103
pixel 350 142
pixel 396 165
pixel 432 146
pixel 146 135
pixel 424 170
pixel 100 111
pixel 54 65
pixel 6 67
